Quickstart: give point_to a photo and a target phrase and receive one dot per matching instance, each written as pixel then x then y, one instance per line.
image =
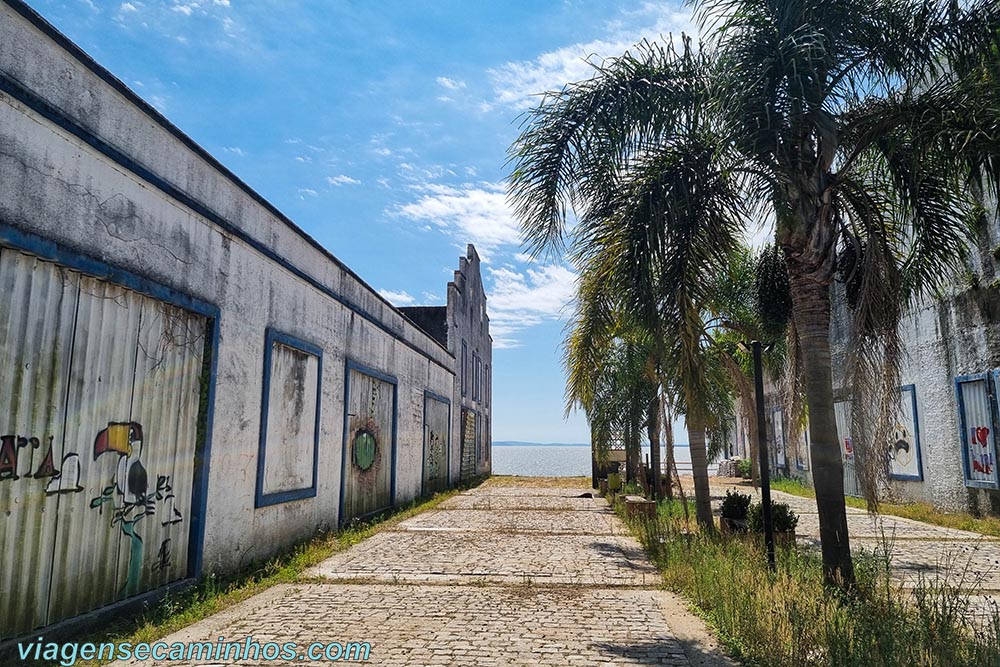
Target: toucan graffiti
pixel 130 496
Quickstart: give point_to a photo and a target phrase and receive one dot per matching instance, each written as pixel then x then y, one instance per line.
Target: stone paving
pixel 919 551
pixel 501 575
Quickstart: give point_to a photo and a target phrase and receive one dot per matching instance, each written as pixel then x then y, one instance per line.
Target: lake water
pixel 562 461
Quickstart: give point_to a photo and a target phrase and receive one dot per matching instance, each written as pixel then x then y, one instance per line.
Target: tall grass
pixel 789 618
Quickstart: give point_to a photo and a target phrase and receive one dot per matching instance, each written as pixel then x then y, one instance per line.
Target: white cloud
pixel 307 192
pixel 519 83
pixel 159 102
pixel 128 7
pixel 221 3
pixel 519 300
pixel 235 150
pixel 342 179
pixel 450 84
pixel 303 158
pixel 473 213
pixel 185 8
pixel 397 298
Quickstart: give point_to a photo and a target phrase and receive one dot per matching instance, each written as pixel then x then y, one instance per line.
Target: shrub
pixel 735 506
pixel 745 468
pixel 782 516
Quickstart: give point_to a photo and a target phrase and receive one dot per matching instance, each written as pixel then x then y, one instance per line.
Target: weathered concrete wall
pixel 86 164
pixel 955 334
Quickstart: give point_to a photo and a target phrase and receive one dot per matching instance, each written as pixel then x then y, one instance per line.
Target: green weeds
pixel 788 618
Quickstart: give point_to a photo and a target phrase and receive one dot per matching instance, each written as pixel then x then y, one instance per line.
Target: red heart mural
pixel 982 434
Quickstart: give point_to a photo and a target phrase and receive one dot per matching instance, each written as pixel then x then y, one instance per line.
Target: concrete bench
pixel 639 506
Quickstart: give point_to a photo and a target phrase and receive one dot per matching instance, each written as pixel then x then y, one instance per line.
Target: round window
pixel 365 448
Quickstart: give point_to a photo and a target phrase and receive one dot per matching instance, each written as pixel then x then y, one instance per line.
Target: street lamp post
pixel 765 475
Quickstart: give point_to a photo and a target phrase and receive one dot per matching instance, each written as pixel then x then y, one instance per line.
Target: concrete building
pixel 463 326
pixel 944 449
pixel 189 382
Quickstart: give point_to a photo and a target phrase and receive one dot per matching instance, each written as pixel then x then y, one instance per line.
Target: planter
pixel 637 506
pixel 729 526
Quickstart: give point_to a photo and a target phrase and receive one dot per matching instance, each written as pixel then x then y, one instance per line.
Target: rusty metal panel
pixel 369 455
pixel 99 389
pixel 37 311
pixel 437 443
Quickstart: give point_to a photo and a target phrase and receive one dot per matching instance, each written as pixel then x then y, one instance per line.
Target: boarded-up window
pixel 976 424
pixel 289 431
pixel 370 442
pixel 904 458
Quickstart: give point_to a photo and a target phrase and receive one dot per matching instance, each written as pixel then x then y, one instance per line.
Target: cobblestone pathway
pixel 918 550
pixel 500 575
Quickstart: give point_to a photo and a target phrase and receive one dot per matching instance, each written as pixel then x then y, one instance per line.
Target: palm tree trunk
pixel 699 468
pixel 653 431
pixel 668 442
pixel 630 451
pixel 811 312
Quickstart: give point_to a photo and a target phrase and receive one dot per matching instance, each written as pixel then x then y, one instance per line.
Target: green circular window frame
pixel 364 449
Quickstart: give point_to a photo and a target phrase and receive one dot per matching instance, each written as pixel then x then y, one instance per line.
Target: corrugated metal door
pixel 107 382
pixel 370 441
pixel 436 444
pixel 37 311
pixel 976 422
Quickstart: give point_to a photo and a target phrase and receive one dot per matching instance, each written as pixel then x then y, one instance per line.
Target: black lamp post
pixel 765 474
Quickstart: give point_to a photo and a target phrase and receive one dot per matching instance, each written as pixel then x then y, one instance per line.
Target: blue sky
pixel 381 128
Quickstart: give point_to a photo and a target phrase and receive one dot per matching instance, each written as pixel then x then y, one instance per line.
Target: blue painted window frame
pixel 51 251
pixel 352 365
pixel 962 430
pixel 271 337
pixel 919 477
pixel 447 456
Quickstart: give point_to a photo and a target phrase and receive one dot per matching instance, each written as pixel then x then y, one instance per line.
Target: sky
pixel 382 129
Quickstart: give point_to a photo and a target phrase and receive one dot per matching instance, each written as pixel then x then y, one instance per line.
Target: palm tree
pixel 857 126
